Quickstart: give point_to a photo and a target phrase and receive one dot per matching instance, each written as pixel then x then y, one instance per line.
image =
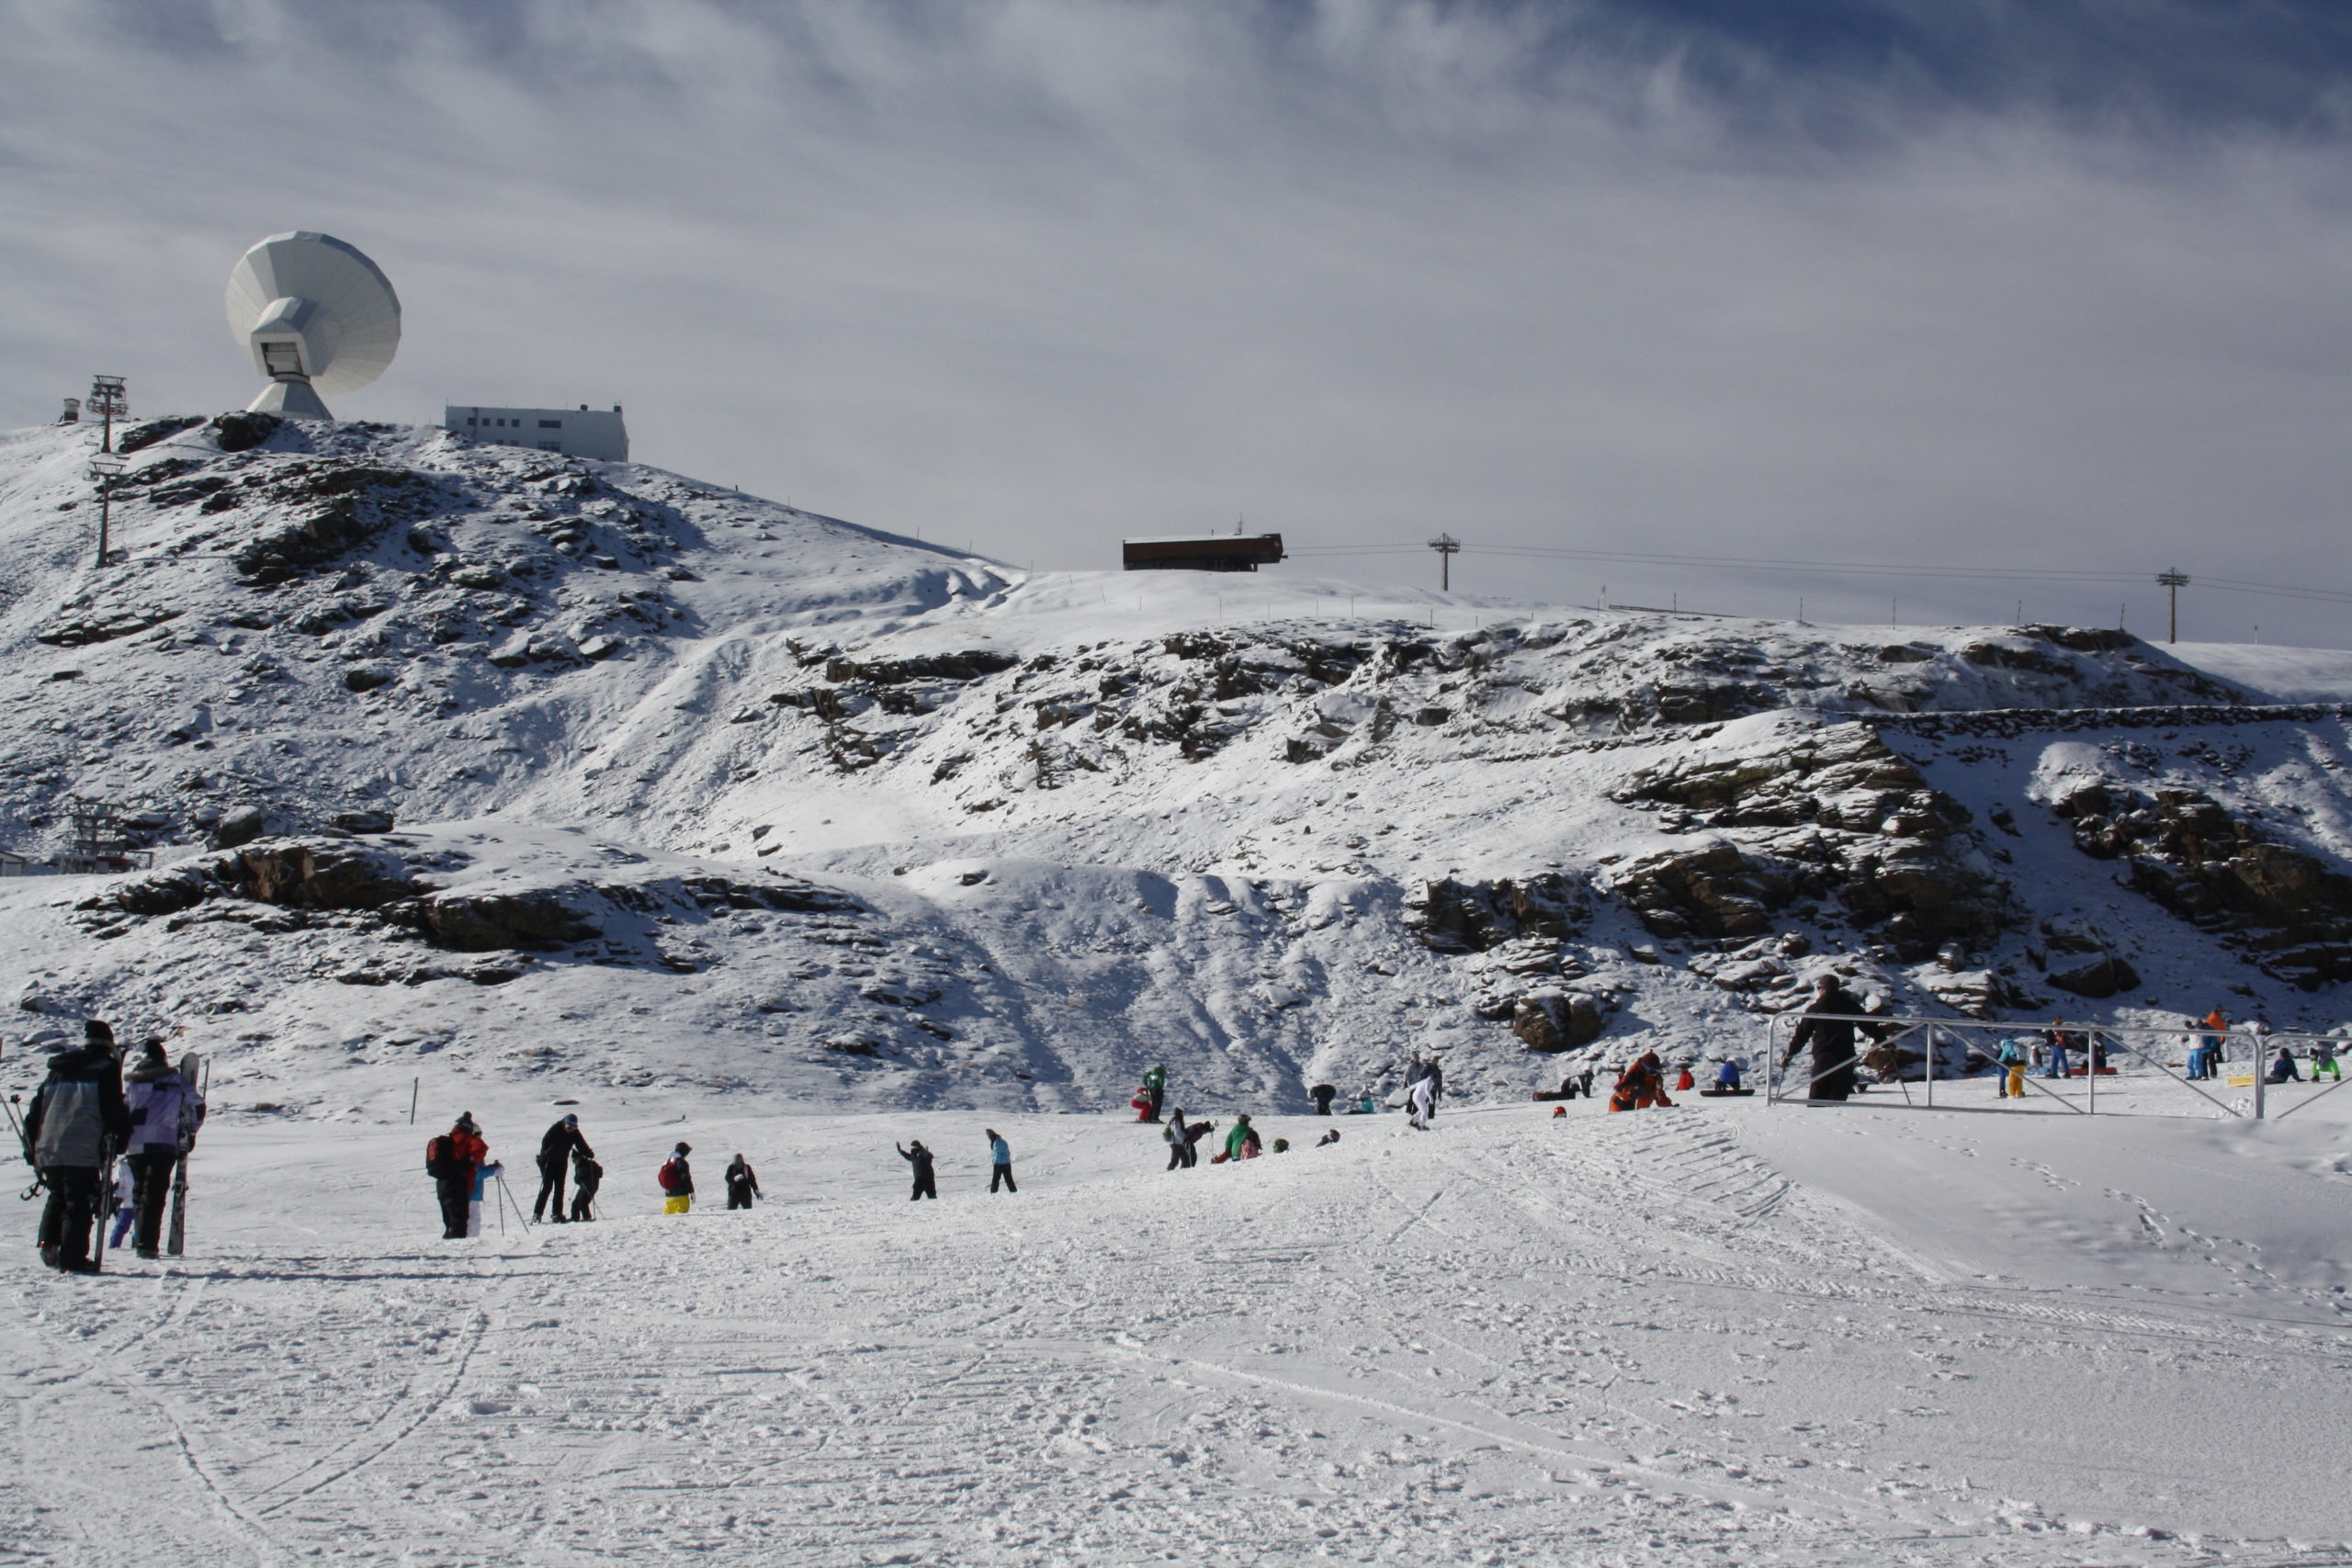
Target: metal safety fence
pixel 2229 1071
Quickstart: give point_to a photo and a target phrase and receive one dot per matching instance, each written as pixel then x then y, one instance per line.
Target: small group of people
pixel 463 1171
pixel 95 1132
pixel 1000 1164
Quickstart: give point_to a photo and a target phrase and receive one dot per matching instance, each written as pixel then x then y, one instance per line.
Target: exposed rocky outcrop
pixel 1472 916
pixel 1558 1020
pixel 2288 909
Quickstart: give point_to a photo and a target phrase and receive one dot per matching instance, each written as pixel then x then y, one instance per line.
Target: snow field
pixel 1720 1333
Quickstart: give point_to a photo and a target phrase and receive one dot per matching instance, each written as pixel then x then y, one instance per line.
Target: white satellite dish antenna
pixel 319 316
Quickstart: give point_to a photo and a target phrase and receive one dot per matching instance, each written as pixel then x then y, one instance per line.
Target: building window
pixel 550 425
pixel 550 445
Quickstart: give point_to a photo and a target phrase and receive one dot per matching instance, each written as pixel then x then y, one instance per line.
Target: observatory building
pixel 583 432
pixel 1202 552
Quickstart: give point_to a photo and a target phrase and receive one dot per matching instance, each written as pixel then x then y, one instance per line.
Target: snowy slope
pixel 1745 1334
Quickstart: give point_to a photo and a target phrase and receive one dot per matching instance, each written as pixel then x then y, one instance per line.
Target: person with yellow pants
pixel 678 1181
pixel 2013 1065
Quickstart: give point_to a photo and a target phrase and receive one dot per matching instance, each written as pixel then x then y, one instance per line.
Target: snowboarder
pixel 1832 1040
pixel 677 1182
pixel 73 1132
pixel 926 1185
pixel 1726 1082
pixel 1683 1081
pixel 1155 1089
pixel 742 1185
pixel 452 1160
pixel 586 1176
pixel 2324 1050
pixel 165 1113
pixel 1322 1094
pixel 1641 1085
pixel 556 1149
pixel 1001 1161
pixel 2282 1067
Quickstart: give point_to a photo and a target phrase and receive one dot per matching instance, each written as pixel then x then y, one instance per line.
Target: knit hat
pixel 95 1033
pixel 685 1148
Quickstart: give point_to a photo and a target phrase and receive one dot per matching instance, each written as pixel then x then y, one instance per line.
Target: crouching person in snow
pixel 586 1176
pixel 677 1180
pixel 1001 1161
pixel 1641 1085
pixel 1241 1142
pixel 452 1160
pixel 926 1182
pixel 742 1185
pixel 165 1112
pixel 76 1125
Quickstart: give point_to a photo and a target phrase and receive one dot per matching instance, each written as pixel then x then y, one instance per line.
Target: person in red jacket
pixel 451 1160
pixel 1641 1086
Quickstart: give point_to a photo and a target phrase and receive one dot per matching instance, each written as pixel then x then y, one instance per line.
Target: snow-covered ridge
pixel 1046 830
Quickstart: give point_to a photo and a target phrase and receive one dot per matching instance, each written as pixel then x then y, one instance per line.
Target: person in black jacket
pixel 926 1185
pixel 1832 1041
pixel 586 1176
pixel 556 1150
pixel 77 1123
pixel 742 1185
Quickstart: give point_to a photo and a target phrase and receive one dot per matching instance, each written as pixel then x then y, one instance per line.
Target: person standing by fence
pixel 1829 1031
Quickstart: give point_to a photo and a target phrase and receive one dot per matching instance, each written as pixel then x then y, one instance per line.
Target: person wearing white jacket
pixel 165 1113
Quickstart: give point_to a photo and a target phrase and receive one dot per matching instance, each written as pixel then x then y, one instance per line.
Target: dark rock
pixel 164 892
pixel 485 922
pixel 321 874
pixel 1472 916
pixel 240 826
pixel 244 431
pixel 139 437
pixel 368 677
pixel 1558 1020
pixel 363 821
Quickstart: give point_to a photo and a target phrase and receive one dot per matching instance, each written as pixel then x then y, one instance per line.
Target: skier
pixel 165 1113
pixel 1001 1161
pixel 451 1160
pixel 75 1126
pixel 1241 1140
pixel 677 1180
pixel 586 1176
pixel 1155 1088
pixel 742 1185
pixel 1641 1085
pixel 1832 1041
pixel 1322 1094
pixel 2013 1062
pixel 926 1185
pixel 556 1149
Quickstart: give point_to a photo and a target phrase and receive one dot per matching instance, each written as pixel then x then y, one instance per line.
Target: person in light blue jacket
pixel 1000 1156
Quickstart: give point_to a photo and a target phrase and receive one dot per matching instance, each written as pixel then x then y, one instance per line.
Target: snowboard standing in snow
pixel 175 1240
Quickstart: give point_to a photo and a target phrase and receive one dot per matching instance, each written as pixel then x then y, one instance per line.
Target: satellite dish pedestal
pixel 318 316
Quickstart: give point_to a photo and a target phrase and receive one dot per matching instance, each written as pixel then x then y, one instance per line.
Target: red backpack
pixel 668 1176
pixel 437 1156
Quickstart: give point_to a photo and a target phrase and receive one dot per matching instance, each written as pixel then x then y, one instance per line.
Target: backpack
pixel 668 1176
pixel 438 1157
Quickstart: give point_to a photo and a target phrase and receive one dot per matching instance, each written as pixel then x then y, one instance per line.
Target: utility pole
pixel 104 469
pixel 2172 582
pixel 1445 545
pixel 108 402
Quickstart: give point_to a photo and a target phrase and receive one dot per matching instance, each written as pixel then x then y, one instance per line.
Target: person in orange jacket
pixel 1641 1085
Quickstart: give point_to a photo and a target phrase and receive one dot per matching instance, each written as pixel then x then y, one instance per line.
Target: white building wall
pixel 583 432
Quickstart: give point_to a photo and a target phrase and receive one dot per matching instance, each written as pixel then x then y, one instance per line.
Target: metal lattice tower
pixel 108 402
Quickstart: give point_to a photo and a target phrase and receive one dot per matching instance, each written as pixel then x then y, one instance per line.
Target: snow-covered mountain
pixel 684 787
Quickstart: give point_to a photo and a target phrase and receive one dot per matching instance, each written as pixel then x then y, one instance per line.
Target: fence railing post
pixel 2254 1056
pixel 1931 1067
pixel 2092 1051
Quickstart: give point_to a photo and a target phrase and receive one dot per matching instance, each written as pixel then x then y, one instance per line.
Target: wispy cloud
pixel 2057 285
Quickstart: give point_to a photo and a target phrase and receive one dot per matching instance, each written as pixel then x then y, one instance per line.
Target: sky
pixel 2053 291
